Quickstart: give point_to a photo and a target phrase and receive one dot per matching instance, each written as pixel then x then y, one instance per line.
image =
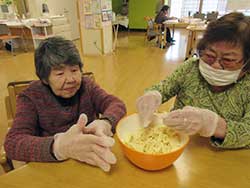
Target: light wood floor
pixel 125 73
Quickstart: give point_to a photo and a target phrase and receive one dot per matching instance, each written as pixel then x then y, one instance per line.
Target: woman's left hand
pixel 192 120
pixel 99 128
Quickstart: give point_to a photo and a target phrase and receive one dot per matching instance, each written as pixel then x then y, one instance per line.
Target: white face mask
pixel 218 77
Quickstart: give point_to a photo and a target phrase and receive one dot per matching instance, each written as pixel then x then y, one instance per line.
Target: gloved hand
pixel 99 128
pixel 147 104
pixel 192 120
pixel 92 149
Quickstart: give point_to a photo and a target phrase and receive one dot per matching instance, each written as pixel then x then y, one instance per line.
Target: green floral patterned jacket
pixel 190 88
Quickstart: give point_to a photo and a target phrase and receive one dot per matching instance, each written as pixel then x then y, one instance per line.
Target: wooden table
pixel 34 32
pixel 120 20
pixel 200 166
pixel 19 29
pixel 171 24
pixel 194 31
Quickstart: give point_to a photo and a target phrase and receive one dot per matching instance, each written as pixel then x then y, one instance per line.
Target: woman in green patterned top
pixel 212 92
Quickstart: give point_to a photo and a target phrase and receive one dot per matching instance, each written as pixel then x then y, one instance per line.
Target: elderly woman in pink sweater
pixel 57 116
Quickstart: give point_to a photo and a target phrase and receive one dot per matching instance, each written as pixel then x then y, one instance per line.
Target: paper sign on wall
pixel 106 5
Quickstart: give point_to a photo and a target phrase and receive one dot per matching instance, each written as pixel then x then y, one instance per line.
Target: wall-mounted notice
pixel 97 20
pixel 106 5
pixel 89 21
pixel 106 16
pixel 87 7
pixel 96 6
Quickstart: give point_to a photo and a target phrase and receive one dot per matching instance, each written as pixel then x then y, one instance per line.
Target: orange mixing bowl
pixel 130 125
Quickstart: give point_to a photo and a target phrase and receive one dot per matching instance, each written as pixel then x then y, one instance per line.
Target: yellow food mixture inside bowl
pixel 155 139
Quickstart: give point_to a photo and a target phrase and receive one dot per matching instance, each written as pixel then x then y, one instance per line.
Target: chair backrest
pixel 14 88
pixel 4 29
pixel 149 20
pixel 153 29
pixel 199 15
pixel 89 75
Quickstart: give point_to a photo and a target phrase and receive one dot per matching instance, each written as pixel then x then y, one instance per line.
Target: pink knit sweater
pixel 40 115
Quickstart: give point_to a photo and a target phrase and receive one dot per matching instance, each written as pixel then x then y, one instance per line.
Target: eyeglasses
pixel 226 63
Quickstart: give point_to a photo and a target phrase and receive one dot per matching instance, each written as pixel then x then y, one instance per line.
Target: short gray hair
pixel 55 52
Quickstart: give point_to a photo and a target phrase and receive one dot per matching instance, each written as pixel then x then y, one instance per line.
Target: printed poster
pixel 96 6
pixel 89 21
pixel 107 16
pixel 97 20
pixel 106 5
pixel 87 6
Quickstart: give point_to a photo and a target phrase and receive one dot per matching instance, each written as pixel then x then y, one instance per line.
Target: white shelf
pixel 61 27
pixel 40 32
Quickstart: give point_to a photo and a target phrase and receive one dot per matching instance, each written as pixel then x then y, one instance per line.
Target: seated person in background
pixel 212 92
pixel 161 17
pixel 56 117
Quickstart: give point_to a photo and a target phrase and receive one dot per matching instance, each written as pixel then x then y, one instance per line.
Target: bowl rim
pixel 153 154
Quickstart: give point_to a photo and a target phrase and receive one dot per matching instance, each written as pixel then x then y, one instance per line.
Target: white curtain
pixel 182 8
pixel 214 5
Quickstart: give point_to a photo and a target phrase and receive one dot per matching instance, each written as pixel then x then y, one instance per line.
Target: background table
pixel 120 20
pixel 172 24
pixel 200 166
pixel 194 32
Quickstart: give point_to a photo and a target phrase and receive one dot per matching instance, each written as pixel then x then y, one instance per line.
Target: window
pixel 209 6
pixel 214 5
pixel 190 7
pixel 184 8
pixel 175 8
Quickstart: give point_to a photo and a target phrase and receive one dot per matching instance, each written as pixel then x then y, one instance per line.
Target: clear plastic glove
pixel 76 144
pixel 99 128
pixel 147 104
pixel 192 120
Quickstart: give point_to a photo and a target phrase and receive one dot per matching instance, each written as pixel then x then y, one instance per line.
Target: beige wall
pixel 239 4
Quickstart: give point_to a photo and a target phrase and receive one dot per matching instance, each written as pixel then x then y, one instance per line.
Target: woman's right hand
pixel 89 148
pixel 147 104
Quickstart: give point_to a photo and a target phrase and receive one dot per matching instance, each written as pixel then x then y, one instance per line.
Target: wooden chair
pixel 5 35
pixel 14 88
pixel 154 31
